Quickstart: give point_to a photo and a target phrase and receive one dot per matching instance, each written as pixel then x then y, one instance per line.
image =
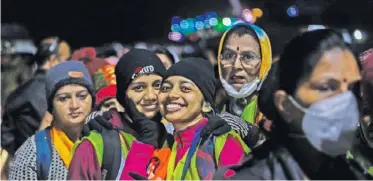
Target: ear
pixel 280 100
pixel 206 107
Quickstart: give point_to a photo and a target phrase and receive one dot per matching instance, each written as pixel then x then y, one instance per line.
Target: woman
pixel 47 154
pixel 106 99
pixel 244 61
pixel 139 75
pixel 185 100
pixel 316 110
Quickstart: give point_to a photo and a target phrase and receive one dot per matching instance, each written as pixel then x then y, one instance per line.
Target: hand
pixel 215 126
pixel 98 121
pixel 151 130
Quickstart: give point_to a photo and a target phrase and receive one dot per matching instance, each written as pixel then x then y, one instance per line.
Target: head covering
pixel 88 56
pixel 105 93
pixel 70 72
pixel 104 76
pixel 200 75
pixel 266 54
pixel 132 64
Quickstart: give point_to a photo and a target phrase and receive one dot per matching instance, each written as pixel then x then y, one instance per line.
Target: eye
pixel 62 98
pixel 138 88
pixel 165 88
pixel 157 85
pixel 185 89
pixel 326 88
pixel 248 57
pixel 82 96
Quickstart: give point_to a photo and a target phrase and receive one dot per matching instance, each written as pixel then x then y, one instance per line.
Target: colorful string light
pixel 184 28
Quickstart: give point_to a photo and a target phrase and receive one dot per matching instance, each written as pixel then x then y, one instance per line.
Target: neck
pixel 73 132
pixel 183 125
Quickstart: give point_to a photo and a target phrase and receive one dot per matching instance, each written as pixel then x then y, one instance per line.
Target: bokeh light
pixel 293 11
pixel 227 21
pixel 257 12
pixel 247 15
pixel 358 35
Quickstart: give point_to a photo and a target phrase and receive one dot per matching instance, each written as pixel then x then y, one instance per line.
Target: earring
pixel 207 107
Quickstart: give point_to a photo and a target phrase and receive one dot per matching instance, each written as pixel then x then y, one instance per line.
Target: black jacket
pixel 24 111
pixel 272 161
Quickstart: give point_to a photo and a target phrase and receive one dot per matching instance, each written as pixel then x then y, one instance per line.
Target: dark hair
pixel 302 54
pixel 163 50
pixel 242 30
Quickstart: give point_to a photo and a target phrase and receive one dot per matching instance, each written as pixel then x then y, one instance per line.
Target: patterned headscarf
pixel 104 76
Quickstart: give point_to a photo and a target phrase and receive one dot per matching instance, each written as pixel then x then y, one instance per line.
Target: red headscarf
pixel 88 56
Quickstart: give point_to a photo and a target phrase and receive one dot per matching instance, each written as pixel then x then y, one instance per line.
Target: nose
pixel 174 94
pixel 151 95
pixel 237 64
pixel 74 103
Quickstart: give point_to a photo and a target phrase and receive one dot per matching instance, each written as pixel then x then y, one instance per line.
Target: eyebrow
pixel 186 82
pixel 69 93
pixel 227 48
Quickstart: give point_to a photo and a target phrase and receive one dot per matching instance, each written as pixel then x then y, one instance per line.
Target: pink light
pixel 247 15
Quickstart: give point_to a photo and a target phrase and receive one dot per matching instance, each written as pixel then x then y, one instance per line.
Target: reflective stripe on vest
pixel 216 146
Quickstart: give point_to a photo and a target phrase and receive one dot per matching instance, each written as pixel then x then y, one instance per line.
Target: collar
pixel 184 137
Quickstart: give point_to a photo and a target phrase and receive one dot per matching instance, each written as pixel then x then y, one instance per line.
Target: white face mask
pixel 330 125
pixel 245 91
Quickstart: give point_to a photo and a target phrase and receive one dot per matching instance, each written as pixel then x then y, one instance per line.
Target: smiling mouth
pixel 173 107
pixel 149 107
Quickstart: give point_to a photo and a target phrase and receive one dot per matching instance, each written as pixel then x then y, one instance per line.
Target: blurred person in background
pixel 26 107
pixel 70 98
pixel 165 55
pixel 106 99
pixel 315 110
pixel 17 50
pixel 244 60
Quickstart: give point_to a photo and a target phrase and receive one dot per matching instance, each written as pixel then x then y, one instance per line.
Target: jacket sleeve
pixel 84 164
pixel 23 166
pixel 137 160
pixel 232 152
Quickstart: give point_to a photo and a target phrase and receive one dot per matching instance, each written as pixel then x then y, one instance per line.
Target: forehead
pixel 179 79
pixel 337 64
pixel 244 43
pixel 71 88
pixel 147 78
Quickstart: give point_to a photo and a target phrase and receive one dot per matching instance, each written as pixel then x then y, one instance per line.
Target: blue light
pixel 293 11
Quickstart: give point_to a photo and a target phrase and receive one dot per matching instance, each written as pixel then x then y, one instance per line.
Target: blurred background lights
pixel 358 35
pixel 315 27
pixel 213 21
pixel 199 25
pixel 247 15
pixel 227 21
pixel 293 11
pixel 257 12
pixel 175 36
pixel 184 24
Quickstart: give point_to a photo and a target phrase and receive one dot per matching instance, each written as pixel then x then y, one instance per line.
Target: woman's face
pixel 143 92
pixel 335 73
pixel 180 100
pixel 240 60
pixel 165 60
pixel 111 103
pixel 71 105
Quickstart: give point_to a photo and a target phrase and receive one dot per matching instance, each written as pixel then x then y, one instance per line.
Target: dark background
pixel 95 22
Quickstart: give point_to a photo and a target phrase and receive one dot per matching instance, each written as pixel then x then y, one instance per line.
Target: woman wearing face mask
pixel 244 60
pixel 138 76
pixel 185 100
pixel 317 112
pixel 70 98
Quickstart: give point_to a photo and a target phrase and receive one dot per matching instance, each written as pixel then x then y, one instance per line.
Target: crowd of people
pixel 127 113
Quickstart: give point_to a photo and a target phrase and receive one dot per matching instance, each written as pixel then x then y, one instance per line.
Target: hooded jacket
pixel 249 112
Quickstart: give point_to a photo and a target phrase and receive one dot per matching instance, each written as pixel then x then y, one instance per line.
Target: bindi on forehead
pixel 238 48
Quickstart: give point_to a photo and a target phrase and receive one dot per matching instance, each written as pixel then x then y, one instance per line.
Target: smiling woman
pixel 70 99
